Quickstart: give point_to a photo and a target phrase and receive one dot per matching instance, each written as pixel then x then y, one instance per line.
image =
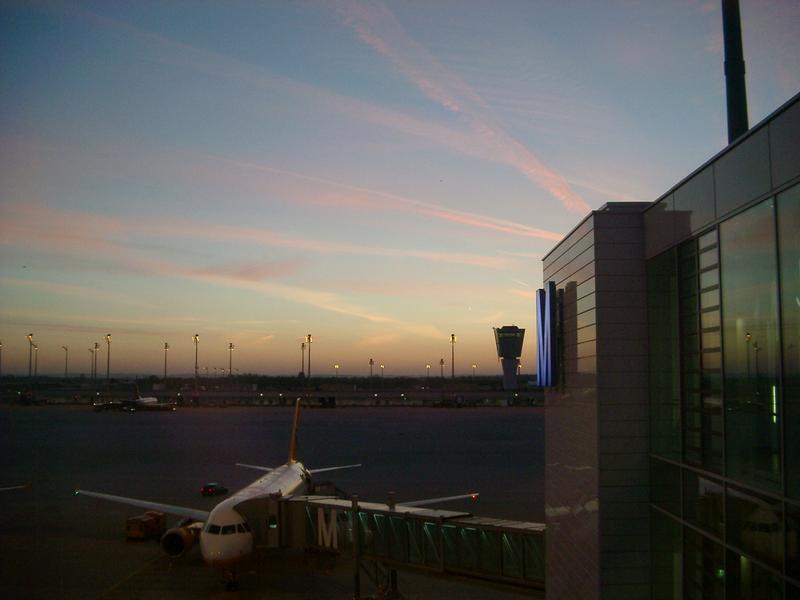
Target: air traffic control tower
pixel 509 349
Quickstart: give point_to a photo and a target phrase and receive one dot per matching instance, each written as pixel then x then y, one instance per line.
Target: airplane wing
pixel 181 511
pixel 14 487
pixel 256 467
pixel 325 469
pixel 426 501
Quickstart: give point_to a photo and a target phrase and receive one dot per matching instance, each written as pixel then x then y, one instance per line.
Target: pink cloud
pixel 377 27
pixel 485 139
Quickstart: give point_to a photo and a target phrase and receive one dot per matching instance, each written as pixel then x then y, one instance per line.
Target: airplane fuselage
pixel 227 538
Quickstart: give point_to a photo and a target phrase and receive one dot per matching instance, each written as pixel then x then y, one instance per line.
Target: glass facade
pixel 724 325
pixel 750 333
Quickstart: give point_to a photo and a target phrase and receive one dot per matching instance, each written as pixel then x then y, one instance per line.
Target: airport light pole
pixel 336 370
pixel 371 362
pixel 474 366
pixel 230 358
pixel 94 367
pixel 166 349
pixel 428 372
pixel 308 341
pixel 441 367
pixel 35 361
pixel 91 363
pixel 1 358
pixel 382 368
pixel 30 352
pixel 66 361
pixel 452 356
pixel 303 359
pixel 108 357
pixel 196 342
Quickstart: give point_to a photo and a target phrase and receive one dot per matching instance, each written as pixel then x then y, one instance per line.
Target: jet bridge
pixel 437 542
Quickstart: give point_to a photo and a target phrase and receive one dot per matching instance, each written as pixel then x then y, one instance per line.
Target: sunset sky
pixel 379 175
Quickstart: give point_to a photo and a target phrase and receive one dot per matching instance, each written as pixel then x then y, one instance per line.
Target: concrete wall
pixel 596 445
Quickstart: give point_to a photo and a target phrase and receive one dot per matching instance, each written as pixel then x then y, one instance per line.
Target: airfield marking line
pixel 130 576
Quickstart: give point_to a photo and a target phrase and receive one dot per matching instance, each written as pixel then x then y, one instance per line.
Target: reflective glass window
pixel 755 524
pixel 703 500
pixel 750 346
pixel 665 486
pixel 228 529
pixel 789 253
pixel 662 307
pixel 793 541
pixel 746 580
pixel 702 408
pixel 665 556
pixel 704 567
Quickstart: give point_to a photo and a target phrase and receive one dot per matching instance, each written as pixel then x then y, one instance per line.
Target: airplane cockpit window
pixel 246 526
pixel 228 529
pixel 240 528
pixel 212 529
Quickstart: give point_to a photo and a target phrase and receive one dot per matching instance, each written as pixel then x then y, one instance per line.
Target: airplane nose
pixel 225 551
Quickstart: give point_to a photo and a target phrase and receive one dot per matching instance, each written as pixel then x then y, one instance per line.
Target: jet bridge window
pixel 228 529
pixel 212 529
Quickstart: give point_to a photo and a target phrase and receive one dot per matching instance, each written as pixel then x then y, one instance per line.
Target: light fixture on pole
pixel 166 349
pixel 35 360
pixel 452 356
pixel 30 352
pixel 371 362
pixel 428 371
pixel 230 358
pixel 108 356
pixel 308 341
pixel 66 361
pixel 474 366
pixel 382 367
pixel 94 368
pixel 441 367
pixel 336 369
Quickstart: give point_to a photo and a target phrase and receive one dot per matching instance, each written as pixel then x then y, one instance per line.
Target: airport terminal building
pixel 671 334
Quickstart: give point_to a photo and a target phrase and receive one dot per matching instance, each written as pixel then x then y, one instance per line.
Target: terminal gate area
pixel 443 543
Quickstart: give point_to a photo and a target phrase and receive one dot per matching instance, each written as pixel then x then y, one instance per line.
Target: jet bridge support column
pixel 356 550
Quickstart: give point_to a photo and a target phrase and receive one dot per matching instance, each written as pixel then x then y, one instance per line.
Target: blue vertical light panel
pixel 546 345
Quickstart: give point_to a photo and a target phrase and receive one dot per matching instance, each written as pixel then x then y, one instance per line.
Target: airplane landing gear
pixel 231 583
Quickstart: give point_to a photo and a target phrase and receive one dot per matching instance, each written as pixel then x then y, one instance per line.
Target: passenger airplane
pixel 226 538
pixel 147 403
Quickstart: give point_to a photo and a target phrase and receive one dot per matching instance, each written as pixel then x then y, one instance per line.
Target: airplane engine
pixel 179 540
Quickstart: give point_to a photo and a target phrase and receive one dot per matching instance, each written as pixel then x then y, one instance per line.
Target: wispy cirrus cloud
pixel 485 138
pixel 377 27
pixel 82 231
pixel 73 234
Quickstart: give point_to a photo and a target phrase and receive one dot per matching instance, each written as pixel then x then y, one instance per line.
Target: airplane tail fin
pixel 293 440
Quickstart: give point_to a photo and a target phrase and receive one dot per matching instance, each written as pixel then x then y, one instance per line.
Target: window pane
pixel 702 502
pixel 793 541
pixel 747 581
pixel 662 307
pixel 755 524
pixel 665 556
pixel 665 488
pixel 750 346
pixel 704 567
pixel 789 245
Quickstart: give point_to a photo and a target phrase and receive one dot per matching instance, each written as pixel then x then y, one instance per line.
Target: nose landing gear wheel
pixel 231 583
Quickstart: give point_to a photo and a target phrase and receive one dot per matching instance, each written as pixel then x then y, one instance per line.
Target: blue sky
pixel 377 174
